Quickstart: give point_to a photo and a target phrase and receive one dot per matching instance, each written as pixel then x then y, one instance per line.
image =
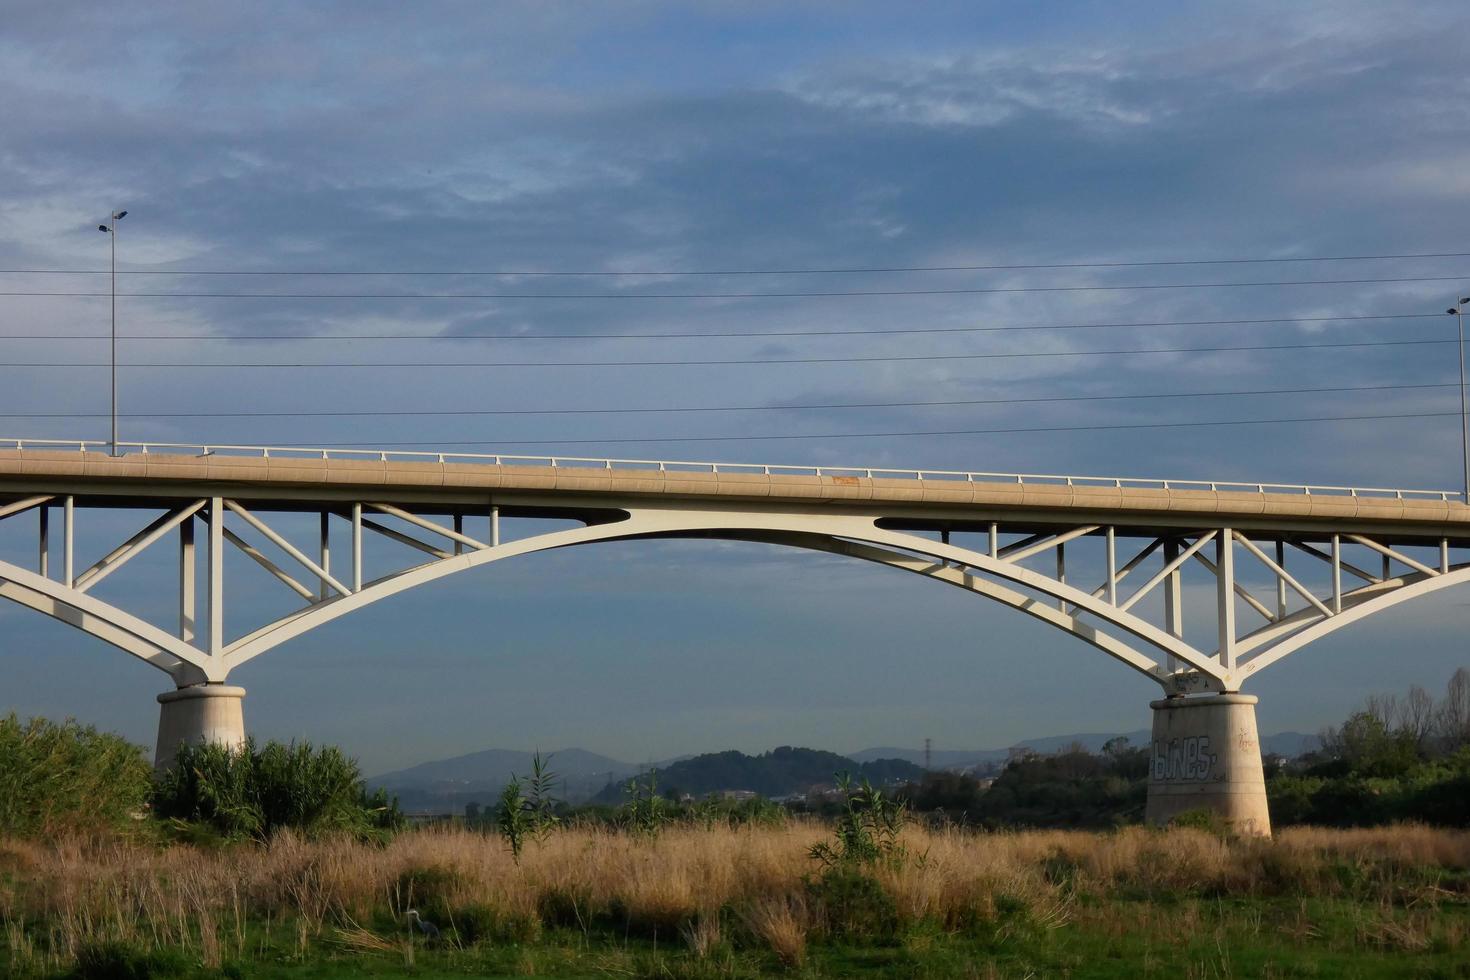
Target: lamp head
pixel 1465 300
pixel 120 215
pixel 103 228
pixel 1453 310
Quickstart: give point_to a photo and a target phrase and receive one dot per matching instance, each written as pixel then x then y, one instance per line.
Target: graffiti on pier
pixel 1183 759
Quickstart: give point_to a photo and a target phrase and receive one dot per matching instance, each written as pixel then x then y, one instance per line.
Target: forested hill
pixel 780 772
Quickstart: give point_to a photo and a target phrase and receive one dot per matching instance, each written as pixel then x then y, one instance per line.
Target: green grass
pixel 1175 937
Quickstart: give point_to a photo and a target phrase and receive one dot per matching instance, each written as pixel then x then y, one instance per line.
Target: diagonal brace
pixel 1168 569
pixel 1282 574
pixel 403 515
pixel 1056 540
pixel 1345 566
pixel 134 546
pixel 407 539
pixel 1241 591
pixel 1388 552
pixel 268 565
pixel 1130 565
pixel 287 547
pixel 19 506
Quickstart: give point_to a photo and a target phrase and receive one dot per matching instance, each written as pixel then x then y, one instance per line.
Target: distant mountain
pixel 446 785
pixel 1288 744
pixel 780 772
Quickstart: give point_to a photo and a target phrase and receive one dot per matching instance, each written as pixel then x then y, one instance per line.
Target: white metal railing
pixel 664 465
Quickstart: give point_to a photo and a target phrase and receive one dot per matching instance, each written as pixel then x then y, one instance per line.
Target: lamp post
pixel 111 230
pixel 1459 313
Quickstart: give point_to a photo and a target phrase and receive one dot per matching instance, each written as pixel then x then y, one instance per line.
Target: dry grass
pixel 59 897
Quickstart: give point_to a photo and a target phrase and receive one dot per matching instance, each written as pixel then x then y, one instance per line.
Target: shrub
pixel 115 960
pixel 854 906
pixel 64 777
pixel 513 818
pixel 867 829
pixel 481 922
pixel 250 792
pixel 643 810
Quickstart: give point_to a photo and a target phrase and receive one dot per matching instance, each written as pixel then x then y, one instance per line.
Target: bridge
pixel 1101 558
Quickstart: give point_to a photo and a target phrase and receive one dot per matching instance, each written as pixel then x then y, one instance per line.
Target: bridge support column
pixel 1206 755
pixel 205 713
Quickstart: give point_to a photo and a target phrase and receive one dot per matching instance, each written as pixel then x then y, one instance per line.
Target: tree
pixel 1453 717
pixel 1369 748
pixel 1416 715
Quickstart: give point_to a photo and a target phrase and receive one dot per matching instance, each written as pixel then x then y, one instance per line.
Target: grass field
pixel 735 902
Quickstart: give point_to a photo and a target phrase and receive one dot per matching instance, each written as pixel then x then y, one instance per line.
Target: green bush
pixel 428 888
pixel 115 960
pixel 867 828
pixel 483 923
pixel 56 778
pixel 253 792
pixel 854 906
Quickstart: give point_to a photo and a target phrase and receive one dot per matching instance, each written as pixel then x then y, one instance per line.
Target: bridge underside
pixel 1196 595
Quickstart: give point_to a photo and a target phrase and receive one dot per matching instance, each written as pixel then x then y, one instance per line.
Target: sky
pixel 751 143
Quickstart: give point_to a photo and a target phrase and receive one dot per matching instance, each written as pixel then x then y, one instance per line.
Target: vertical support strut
pixel 1444 554
pixel 188 603
pixel 1337 573
pixel 43 559
pixel 458 529
pixel 994 539
pixel 1225 580
pixel 1112 565
pixel 326 554
pixel 68 543
pixel 1173 601
pixel 357 547
pixel 1062 572
pixel 216 576
pixel 494 525
pixel 1281 582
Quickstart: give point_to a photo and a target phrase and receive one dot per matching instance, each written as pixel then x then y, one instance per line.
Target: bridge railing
pixel 664 465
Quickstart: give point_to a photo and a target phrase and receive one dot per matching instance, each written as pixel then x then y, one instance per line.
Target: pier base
pixel 206 713
pixel 1206 755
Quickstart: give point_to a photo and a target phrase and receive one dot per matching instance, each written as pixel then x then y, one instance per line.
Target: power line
pixel 716 362
pixel 685 410
pixel 882 331
pixel 749 272
pixel 753 295
pixel 890 435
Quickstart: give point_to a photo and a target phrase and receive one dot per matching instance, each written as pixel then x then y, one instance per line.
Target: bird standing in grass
pixel 429 930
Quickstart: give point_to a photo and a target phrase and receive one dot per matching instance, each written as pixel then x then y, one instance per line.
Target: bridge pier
pixel 1206 755
pixel 204 713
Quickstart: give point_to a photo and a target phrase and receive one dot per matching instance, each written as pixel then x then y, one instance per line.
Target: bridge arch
pixel 856 537
pixel 137 637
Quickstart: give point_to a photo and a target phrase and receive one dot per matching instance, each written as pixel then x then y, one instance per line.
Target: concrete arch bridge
pixel 1103 559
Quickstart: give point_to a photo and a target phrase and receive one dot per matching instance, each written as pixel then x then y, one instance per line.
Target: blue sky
pixel 648 137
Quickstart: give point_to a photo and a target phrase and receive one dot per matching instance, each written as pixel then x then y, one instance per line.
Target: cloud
pixel 650 138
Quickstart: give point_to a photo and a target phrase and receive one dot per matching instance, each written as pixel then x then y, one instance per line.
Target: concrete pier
pixel 205 713
pixel 1206 755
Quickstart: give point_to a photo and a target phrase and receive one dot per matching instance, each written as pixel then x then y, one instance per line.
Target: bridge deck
pixel 145 477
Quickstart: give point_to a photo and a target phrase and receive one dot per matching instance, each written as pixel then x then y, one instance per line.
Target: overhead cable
pixel 749 295
pixel 255 365
pixel 688 409
pixel 1009 267
pixel 882 331
pixel 887 435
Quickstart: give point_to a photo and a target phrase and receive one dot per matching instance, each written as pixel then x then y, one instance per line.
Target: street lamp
pixel 1458 310
pixel 112 231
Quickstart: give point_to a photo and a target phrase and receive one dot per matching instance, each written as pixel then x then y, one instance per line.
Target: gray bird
pixel 430 930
